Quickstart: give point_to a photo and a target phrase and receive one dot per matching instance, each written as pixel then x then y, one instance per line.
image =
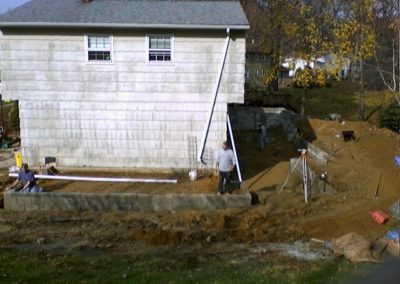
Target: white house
pixel 326 62
pixel 123 83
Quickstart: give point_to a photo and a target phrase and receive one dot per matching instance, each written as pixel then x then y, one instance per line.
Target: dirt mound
pixel 356 169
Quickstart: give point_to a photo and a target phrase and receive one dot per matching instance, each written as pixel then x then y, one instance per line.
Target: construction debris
pixel 379 247
pixel 379 216
pixel 335 117
pixel 326 244
pixel 377 186
pixel 69 219
pixel 354 247
pixel 393 247
pixel 395 209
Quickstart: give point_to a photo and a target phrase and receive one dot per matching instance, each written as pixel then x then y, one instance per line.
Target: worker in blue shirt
pixel 27 178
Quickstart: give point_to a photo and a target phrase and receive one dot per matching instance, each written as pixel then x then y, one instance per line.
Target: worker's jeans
pixel 261 141
pixel 224 182
pixel 33 189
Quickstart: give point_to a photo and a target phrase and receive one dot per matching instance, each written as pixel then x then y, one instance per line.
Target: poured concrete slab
pixel 47 201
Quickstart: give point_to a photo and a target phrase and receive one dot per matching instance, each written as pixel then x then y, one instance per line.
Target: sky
pixel 9 4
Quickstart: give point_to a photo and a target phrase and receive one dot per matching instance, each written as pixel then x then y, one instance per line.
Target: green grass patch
pixel 342 98
pixel 163 266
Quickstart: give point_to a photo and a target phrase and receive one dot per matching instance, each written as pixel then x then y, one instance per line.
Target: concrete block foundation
pixel 49 201
pixel 246 119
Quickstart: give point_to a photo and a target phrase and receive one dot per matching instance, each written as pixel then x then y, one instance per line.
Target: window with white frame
pixel 99 48
pixel 160 48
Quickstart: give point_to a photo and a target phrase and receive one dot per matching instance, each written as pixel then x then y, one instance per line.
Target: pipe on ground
pixel 102 179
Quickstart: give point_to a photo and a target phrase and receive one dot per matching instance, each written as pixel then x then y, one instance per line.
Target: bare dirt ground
pixel 205 184
pixel 354 170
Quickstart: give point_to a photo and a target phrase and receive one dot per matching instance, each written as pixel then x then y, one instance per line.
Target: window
pixel 160 48
pixel 99 48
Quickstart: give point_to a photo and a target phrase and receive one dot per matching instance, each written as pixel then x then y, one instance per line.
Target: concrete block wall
pixel 281 117
pixel 245 118
pixel 321 157
pixel 47 201
pixel 128 113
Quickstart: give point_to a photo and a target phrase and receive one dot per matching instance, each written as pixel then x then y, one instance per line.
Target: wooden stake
pixel 377 187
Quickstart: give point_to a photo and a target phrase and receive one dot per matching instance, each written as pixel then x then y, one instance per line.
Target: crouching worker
pixel 27 178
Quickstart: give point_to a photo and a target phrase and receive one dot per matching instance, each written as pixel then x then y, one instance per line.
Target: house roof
pixel 181 14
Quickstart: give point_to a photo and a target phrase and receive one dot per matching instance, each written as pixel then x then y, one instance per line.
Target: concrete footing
pixel 48 201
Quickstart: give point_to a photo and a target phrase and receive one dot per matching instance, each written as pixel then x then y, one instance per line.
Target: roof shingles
pixel 129 13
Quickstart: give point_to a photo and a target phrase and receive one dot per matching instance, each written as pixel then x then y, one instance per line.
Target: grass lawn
pixel 342 98
pixel 165 266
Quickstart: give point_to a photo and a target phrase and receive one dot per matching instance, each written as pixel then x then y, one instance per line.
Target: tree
pixel 387 51
pixel 354 37
pixel 308 28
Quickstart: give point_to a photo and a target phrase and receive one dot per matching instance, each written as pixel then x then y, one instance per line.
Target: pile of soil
pixel 355 169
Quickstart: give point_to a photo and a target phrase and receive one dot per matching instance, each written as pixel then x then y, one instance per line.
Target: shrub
pixel 320 78
pixel 303 78
pixel 389 117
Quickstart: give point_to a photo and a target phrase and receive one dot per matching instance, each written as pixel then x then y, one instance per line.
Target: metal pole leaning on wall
pixel 305 174
pixel 102 179
pixel 215 95
pixel 234 148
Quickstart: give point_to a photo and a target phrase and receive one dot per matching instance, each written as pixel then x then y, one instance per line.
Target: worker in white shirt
pixel 225 163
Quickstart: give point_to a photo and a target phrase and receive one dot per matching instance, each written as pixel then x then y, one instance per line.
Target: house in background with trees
pixel 258 64
pixel 333 67
pixel 123 83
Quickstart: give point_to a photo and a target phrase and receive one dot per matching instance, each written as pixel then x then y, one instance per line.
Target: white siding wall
pixel 126 114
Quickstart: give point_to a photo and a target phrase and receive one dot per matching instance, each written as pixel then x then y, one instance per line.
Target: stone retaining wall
pixel 47 201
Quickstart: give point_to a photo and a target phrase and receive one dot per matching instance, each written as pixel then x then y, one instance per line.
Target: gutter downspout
pixel 234 148
pixel 215 94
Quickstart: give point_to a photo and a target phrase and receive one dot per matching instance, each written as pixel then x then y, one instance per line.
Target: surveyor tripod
pixel 303 159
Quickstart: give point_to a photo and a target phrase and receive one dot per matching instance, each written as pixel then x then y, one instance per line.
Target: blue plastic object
pixel 392 235
pixel 397 160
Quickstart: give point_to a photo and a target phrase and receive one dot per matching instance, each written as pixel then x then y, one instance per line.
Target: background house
pixel 258 65
pixel 122 83
pixel 330 63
